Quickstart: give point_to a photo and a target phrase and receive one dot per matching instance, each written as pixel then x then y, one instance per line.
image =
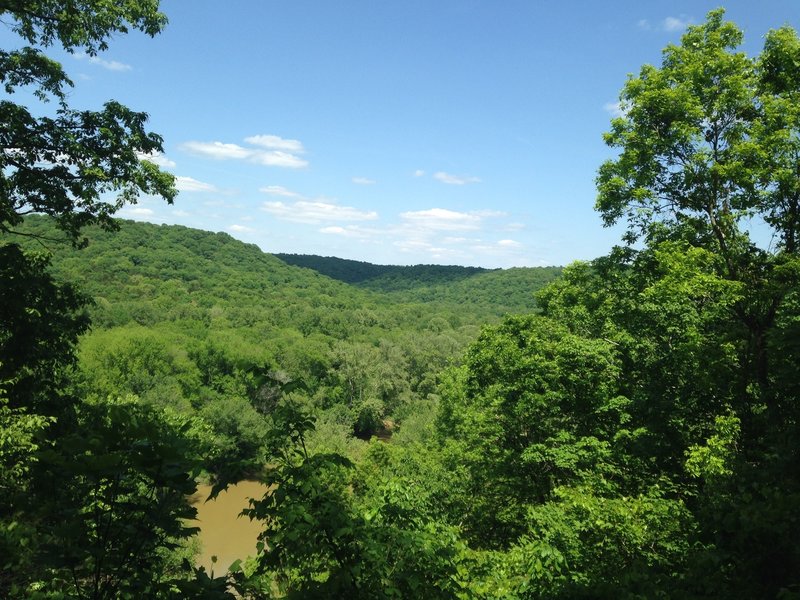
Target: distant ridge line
pixel 356 271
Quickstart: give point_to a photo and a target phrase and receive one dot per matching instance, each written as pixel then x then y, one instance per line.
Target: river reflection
pixel 223 533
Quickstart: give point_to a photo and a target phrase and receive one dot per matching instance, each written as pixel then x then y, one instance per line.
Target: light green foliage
pixel 322 541
pixel 534 407
pixel 137 361
pixel 713 459
pixel 371 381
pixel 684 140
pixel 609 547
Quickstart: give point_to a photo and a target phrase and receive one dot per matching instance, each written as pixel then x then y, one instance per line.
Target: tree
pixel 69 165
pixel 101 498
pixel 321 540
pixel 534 407
pixel 707 142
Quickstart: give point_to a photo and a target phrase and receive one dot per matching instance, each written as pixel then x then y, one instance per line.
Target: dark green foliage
pixel 123 474
pixel 490 292
pixel 93 492
pixel 379 276
pixel 40 321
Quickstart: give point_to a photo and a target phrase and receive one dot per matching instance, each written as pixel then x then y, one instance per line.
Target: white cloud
pixel 362 181
pixel 139 211
pixel 217 150
pixel 189 184
pixel 615 109
pixel 157 158
pixel 279 190
pixel 515 226
pixel 351 231
pixel 180 213
pixel 509 244
pixel 419 173
pixel 314 212
pixel 274 142
pixel 110 65
pixel 429 250
pixel 271 151
pixel 675 23
pixel 240 229
pixel 669 24
pixel 277 158
pixel 489 213
pixel 454 179
pixel 441 219
pixel 413 245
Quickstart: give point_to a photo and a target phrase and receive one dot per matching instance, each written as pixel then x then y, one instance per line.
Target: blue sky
pixel 423 131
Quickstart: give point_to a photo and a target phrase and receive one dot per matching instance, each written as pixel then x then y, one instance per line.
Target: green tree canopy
pixel 79 166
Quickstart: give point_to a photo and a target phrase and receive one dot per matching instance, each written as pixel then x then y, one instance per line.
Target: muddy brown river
pixel 223 533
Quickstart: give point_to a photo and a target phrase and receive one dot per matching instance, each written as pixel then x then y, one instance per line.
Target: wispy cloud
pixel 279 190
pixel 362 181
pixel 274 142
pixel 669 24
pixel 431 250
pixel 157 158
pixel 509 244
pixel 269 150
pixel 139 211
pixel 615 109
pixel 451 179
pixel 240 229
pixel 189 184
pixel 441 219
pixel 351 231
pixel 488 213
pixel 676 23
pixel 315 212
pixel 110 65
pixel 217 150
pixel 419 173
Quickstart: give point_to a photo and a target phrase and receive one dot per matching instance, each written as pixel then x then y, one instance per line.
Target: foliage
pixel 40 321
pixel 67 165
pixel 319 541
pixel 125 471
pixel 355 271
pixel 635 435
pixel 94 491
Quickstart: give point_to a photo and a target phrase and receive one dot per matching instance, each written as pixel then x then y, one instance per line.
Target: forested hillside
pixel 191 319
pixel 637 436
pixel 490 291
pixel 356 271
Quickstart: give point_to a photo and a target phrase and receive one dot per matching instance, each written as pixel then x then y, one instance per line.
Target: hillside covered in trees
pixel 490 291
pixel 634 434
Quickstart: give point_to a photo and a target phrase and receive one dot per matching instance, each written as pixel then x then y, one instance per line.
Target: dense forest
pixel 621 428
